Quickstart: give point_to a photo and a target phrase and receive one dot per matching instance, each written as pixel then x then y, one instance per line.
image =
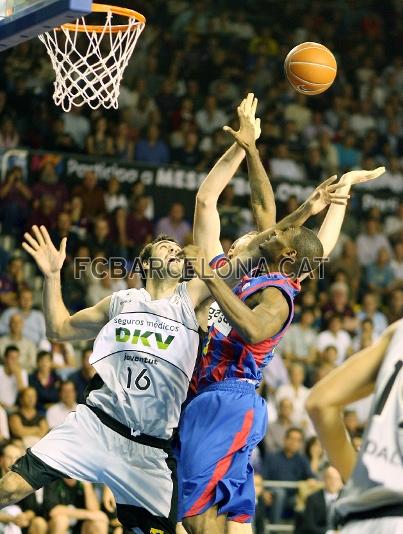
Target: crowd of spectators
pixel 193 64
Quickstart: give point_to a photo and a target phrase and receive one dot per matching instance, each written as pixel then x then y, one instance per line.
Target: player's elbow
pixel 252 336
pixel 314 405
pixel 205 201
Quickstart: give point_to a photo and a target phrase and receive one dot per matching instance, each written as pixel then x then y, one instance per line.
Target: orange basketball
pixel 310 68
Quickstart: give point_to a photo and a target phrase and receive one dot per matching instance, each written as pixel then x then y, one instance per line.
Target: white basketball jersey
pixel 145 356
pixel 378 476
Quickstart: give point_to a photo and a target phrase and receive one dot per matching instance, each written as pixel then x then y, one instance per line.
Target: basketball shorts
pixel 380 525
pixel 142 477
pixel 218 431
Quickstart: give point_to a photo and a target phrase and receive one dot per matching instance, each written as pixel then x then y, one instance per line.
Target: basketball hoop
pixel 89 69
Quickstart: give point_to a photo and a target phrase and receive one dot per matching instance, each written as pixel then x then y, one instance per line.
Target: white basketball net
pixel 90 75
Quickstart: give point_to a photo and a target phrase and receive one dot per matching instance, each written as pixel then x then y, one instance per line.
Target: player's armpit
pixel 85 324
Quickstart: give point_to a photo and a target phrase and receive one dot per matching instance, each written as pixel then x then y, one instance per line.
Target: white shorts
pixel 381 525
pixel 83 448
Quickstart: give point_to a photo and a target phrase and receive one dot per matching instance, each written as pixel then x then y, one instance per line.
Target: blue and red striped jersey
pixel 225 354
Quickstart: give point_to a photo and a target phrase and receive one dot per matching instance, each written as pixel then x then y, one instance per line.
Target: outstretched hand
pixel 361 176
pixel 249 126
pixel 195 256
pixel 325 194
pixel 39 245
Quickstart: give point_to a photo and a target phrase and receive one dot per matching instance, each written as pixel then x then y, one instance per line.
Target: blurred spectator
pixel 27 424
pixel 70 503
pixel 210 117
pixel 114 197
pixel 34 321
pixel 123 145
pixel 315 454
pixel 99 142
pixel 77 125
pixel 394 224
pixel 397 262
pixel 335 336
pixel 9 137
pixel 300 339
pixel 11 282
pixel 370 310
pixel 134 228
pixel 174 225
pixel 189 154
pixel 99 288
pixel 314 169
pixel 49 184
pixel 4 430
pixel 14 202
pixel 81 378
pixel 274 438
pixel 394 310
pixel 63 230
pixel 380 275
pixel 298 111
pixel 366 337
pixel 13 378
pixel 91 194
pixel 152 149
pixel 339 303
pixel 316 517
pixel 45 381
pixel 370 242
pixel 297 393
pixel 283 166
pixel 348 262
pixel 15 337
pixel 348 156
pixel 57 413
pixel 231 218
pixel 288 464
pixel 100 238
pixel 44 214
pixel 62 353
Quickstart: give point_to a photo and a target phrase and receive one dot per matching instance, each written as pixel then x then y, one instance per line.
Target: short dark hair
pixel 41 354
pixel 294 429
pixel 146 252
pixel 65 382
pixel 307 245
pixel 10 348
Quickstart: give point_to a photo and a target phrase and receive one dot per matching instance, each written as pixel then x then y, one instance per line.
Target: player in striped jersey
pixel 372 500
pixel 216 473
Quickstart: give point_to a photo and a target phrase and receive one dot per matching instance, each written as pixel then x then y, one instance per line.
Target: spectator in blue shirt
pixel 289 464
pixel 152 149
pixel 380 275
pixel 349 156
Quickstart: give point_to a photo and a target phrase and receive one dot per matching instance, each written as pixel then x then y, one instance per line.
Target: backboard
pixel 21 20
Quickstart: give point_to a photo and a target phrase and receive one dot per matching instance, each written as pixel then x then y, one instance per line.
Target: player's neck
pixel 161 288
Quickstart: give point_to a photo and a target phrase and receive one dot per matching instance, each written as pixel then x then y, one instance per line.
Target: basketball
pixel 310 68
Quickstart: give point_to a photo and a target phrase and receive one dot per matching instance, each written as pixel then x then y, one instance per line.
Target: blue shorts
pixel 218 431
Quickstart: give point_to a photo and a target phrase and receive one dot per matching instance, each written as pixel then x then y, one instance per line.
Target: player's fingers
pixel 339 202
pixel 376 172
pixel 230 131
pixel 334 187
pixel 249 102
pixel 33 243
pixel 38 235
pixel 329 181
pixel 257 125
pixel 339 197
pixel 62 248
pixel 254 106
pixel 29 249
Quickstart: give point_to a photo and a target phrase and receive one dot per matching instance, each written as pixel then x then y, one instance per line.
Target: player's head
pixel 162 254
pixel 293 251
pixel 240 244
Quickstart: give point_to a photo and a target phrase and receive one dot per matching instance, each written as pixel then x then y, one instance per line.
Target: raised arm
pixel 353 380
pixel 60 326
pixel 331 227
pixel 262 196
pixel 206 227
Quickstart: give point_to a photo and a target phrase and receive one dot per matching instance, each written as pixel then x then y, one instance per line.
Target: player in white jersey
pixel 372 501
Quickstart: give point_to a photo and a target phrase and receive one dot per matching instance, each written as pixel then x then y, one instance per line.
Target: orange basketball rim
pixel 106 8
